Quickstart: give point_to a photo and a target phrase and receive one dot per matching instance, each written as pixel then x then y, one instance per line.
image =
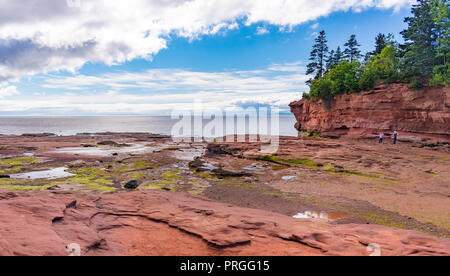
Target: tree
pixel 441 16
pixel 339 56
pixel 351 52
pixel 380 44
pixel 318 57
pixel 331 63
pixel 383 67
pixel 334 59
pixel 341 79
pixel 421 43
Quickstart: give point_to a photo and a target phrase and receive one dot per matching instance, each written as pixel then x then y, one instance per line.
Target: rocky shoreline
pixel 143 194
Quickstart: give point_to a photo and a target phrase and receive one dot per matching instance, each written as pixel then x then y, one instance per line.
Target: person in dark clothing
pixel 381 138
pixel 395 137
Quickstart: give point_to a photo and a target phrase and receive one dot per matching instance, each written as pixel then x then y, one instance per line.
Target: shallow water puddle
pixel 55 173
pixel 290 177
pixel 27 154
pixel 321 216
pixel 209 168
pixel 254 167
pixel 108 151
pixel 189 153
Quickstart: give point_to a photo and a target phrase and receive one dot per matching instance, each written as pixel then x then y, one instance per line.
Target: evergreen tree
pixel 351 52
pixel 318 57
pixel 367 57
pixel 421 43
pixel 334 59
pixel 330 62
pixel 339 56
pixel 380 44
pixel 441 16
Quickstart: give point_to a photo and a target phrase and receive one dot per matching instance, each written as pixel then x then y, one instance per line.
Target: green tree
pixel 381 68
pixel 352 52
pixel 380 44
pixel 318 56
pixel 339 56
pixel 334 59
pixel 341 79
pixel 331 63
pixel 420 47
pixel 441 15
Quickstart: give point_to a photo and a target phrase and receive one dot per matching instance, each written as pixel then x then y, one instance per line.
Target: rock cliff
pixel 416 114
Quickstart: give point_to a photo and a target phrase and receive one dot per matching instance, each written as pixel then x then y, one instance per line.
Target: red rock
pixel 415 114
pixel 163 223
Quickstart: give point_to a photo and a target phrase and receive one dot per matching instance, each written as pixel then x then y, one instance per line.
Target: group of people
pixel 395 137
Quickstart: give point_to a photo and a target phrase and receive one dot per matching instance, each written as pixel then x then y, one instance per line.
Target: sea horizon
pixel 67 126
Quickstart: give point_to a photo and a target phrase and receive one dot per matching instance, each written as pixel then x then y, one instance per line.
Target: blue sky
pixel 251 58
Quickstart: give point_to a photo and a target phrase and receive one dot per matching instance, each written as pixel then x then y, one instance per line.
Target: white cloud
pixel 158 91
pixel 315 26
pixel 262 31
pixel 8 91
pixel 38 36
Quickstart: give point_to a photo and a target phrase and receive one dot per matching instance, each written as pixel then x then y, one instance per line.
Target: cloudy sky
pixel 148 57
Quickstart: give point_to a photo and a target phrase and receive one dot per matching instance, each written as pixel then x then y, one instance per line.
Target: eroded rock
pixel 161 223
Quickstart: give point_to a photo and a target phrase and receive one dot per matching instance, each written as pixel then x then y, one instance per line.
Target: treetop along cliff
pixel 422 60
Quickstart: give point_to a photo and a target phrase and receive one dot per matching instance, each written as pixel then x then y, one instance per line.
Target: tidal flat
pixel 404 186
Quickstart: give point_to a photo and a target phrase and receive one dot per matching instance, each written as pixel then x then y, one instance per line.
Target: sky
pixel 151 57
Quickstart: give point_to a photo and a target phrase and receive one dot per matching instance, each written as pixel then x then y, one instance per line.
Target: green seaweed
pixel 207 175
pixel 26 188
pixel 92 178
pixel 156 186
pixel 310 134
pixel 171 175
pixel 12 170
pixel 16 161
pixel 374 176
pixel 270 158
pixel 305 162
pixel 237 184
pixel 9 181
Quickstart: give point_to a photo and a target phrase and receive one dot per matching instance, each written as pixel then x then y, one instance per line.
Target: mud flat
pixel 222 198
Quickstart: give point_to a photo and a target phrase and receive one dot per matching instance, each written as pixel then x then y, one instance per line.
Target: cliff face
pixel 416 114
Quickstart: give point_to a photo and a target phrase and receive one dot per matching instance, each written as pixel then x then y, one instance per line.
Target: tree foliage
pixel 422 60
pixel 318 57
pixel 383 67
pixel 441 16
pixel 352 52
pixel 341 79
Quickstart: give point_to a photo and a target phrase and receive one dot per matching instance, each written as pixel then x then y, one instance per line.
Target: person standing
pixel 381 138
pixel 395 137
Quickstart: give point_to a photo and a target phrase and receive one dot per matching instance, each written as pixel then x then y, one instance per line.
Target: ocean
pixel 95 124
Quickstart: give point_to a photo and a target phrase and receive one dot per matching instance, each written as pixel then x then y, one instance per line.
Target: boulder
pixel 132 185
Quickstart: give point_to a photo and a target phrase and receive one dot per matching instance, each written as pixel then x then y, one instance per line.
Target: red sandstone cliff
pixel 415 114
